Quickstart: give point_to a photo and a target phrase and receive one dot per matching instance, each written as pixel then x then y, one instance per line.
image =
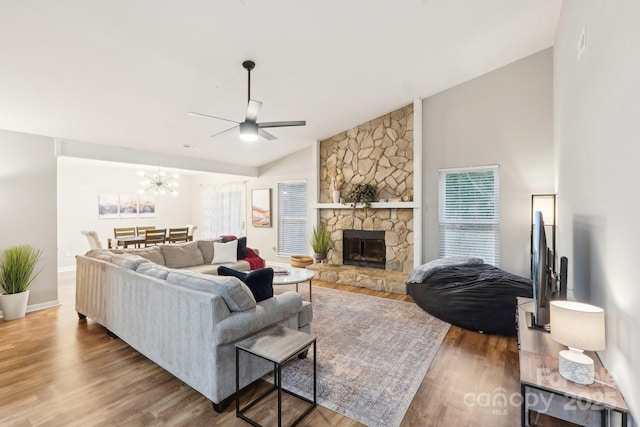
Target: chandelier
pixel 159 182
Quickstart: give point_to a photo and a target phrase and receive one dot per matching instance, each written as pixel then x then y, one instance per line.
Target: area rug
pixel 372 355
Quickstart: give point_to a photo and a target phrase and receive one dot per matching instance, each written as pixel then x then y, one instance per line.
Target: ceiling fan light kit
pixel 250 129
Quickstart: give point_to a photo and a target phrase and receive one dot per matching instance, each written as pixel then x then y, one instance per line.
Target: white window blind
pixel 223 209
pixel 292 218
pixel 469 213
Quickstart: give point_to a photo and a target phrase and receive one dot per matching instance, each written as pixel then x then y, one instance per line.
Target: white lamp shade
pixel 578 325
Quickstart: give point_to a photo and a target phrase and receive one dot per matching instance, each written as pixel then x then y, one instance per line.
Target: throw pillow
pixel 182 255
pixel 259 281
pixel 206 247
pixel 225 252
pixel 242 245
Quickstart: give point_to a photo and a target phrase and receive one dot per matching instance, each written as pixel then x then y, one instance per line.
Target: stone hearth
pixel 363 277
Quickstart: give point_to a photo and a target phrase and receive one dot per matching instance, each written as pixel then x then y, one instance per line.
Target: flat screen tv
pixel 543 276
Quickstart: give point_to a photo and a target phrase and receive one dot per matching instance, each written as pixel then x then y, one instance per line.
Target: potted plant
pixel 361 193
pixel 320 242
pixel 17 266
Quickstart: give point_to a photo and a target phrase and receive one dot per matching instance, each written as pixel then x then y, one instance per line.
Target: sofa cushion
pixel 154 270
pixel 241 265
pixel 179 255
pixel 259 281
pixel 236 294
pixel 206 247
pixel 225 252
pixel 129 261
pixel 152 253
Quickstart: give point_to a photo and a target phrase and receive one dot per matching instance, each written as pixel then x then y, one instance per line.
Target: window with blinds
pixel 292 218
pixel 469 213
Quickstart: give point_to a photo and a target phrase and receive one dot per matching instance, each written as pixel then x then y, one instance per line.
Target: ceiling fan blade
pixel 253 109
pixel 282 124
pixel 193 113
pixel 226 132
pixel 266 135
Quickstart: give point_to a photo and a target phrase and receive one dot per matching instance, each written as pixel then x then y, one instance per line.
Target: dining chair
pixel 122 232
pixel 92 237
pixel 155 236
pixel 178 235
pixel 140 231
pixel 192 229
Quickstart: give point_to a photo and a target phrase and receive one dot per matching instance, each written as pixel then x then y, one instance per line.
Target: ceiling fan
pixel 250 129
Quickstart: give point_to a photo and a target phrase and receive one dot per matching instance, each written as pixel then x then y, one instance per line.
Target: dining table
pixel 126 241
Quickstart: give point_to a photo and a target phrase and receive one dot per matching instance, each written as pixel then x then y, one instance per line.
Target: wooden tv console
pixel 543 390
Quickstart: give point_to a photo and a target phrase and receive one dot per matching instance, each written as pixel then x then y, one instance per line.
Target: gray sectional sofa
pixel 183 320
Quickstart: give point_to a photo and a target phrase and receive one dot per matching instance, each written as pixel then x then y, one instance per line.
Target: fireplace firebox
pixel 363 248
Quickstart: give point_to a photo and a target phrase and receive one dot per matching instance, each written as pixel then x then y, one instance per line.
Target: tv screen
pixel 541 282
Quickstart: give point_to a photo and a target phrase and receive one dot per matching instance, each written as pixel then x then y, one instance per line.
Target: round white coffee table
pixel 295 276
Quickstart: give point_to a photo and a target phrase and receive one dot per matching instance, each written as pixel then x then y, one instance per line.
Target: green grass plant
pixel 17 266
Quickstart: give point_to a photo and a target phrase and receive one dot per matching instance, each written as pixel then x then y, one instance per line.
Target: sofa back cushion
pixel 235 294
pixel 206 247
pixel 154 270
pixel 152 253
pixel 129 261
pixel 179 255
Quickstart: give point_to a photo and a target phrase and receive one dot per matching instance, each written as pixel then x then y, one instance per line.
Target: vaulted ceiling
pixel 126 72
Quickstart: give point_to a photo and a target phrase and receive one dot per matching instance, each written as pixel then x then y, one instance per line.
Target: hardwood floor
pixel 58 371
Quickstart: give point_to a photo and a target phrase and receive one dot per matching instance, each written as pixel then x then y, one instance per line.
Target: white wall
pixel 597 132
pixel 505 118
pixel 28 207
pixel 297 166
pixel 80 181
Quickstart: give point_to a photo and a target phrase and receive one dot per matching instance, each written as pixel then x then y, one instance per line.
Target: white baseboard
pixel 65 269
pixel 38 307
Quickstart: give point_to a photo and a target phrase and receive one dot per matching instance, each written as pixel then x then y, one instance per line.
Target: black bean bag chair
pixel 470 294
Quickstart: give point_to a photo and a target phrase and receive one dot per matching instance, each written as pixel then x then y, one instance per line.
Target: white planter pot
pixel 14 306
pixel 336 196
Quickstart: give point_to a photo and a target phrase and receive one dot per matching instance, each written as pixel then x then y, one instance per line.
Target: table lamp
pixel 580 327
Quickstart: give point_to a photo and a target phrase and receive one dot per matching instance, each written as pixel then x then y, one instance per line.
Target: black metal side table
pixel 277 345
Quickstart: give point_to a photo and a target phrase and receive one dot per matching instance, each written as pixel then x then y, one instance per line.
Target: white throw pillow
pixel 225 252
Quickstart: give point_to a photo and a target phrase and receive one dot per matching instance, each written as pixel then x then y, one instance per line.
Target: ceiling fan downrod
pixel 248 65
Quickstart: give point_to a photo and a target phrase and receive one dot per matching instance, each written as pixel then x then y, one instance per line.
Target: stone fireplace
pixel 381 153
pixel 363 248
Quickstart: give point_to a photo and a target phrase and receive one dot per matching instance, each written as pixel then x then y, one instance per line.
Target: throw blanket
pixel 422 273
pixel 255 262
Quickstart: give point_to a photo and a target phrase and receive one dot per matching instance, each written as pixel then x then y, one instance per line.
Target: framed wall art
pixel 128 206
pixel 261 207
pixel 107 206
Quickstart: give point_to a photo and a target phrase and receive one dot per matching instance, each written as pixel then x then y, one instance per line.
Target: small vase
pixel 336 196
pixel 14 306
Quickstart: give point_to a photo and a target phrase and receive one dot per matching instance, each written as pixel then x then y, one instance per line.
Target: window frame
pixel 460 230
pixel 302 220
